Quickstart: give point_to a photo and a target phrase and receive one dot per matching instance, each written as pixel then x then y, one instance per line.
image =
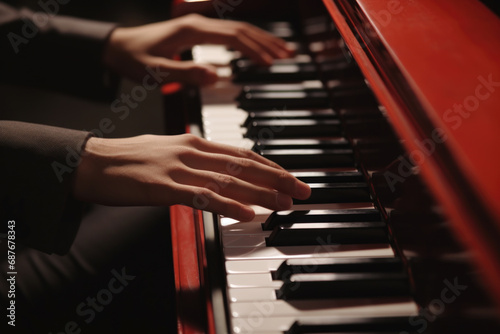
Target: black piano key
pixel 368 127
pixel 352 98
pixel 337 193
pixel 336 265
pixel 315 216
pixel 314 114
pixel 379 325
pixel 337 67
pixel 329 177
pixel 282 100
pixel 317 25
pixel 344 285
pixel 360 112
pixel 284 144
pixel 301 234
pixel 292 128
pixel 309 158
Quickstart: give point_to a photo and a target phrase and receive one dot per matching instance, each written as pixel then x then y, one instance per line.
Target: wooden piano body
pixel 434 69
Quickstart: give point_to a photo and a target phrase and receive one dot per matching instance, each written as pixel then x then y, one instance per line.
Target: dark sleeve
pixel 55 52
pixel 36 172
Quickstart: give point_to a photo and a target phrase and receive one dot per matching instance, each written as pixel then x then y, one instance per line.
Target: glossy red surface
pixel 448 54
pixel 190 293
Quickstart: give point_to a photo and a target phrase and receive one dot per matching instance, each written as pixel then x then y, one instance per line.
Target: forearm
pixel 36 172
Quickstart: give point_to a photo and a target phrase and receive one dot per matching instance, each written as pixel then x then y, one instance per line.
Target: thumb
pixel 188 72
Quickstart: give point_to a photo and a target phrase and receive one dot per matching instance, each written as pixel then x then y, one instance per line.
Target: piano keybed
pixel 346 271
pixel 366 253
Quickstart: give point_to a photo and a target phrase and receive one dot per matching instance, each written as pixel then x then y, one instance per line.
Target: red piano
pixel 390 110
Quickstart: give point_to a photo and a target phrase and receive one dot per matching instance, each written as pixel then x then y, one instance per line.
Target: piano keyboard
pixel 327 265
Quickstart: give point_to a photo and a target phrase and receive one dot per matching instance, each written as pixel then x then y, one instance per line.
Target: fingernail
pixel 302 190
pixel 284 202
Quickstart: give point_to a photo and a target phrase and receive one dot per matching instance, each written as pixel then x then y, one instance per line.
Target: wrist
pixel 83 178
pixel 111 48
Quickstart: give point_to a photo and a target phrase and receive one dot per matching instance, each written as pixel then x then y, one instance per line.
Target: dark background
pixel 46 107
pixel 126 12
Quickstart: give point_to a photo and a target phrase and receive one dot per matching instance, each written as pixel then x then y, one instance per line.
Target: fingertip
pixel 246 214
pixel 284 202
pixel 205 75
pixel 263 59
pixel 302 190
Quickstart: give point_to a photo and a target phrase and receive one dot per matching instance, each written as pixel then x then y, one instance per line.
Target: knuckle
pixel 190 20
pixel 190 139
pixel 284 179
pixel 224 180
pixel 239 32
pixel 177 172
pixel 244 163
pixel 186 154
pixel 203 192
pixel 249 154
pixel 283 176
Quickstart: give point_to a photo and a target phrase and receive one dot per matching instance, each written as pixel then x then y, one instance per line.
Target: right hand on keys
pixel 184 169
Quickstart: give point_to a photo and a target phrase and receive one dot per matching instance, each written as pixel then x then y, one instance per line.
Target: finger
pixel 186 71
pixel 250 171
pixel 238 152
pixel 234 188
pixel 206 199
pixel 253 50
pixel 274 46
pixel 277 47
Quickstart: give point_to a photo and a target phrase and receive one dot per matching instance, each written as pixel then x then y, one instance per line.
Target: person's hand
pixel 184 169
pixel 130 50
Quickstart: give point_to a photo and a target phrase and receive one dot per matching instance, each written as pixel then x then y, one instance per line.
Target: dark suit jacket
pixel 37 161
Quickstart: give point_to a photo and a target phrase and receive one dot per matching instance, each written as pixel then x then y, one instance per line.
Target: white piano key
pixel 269 332
pixel 222 108
pixel 285 68
pixel 245 240
pixel 260 211
pixel 367 307
pixel 224 72
pixel 251 294
pixel 261 215
pixel 253 281
pixel 262 325
pixel 242 229
pixel 212 54
pixel 306 252
pixel 252 266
